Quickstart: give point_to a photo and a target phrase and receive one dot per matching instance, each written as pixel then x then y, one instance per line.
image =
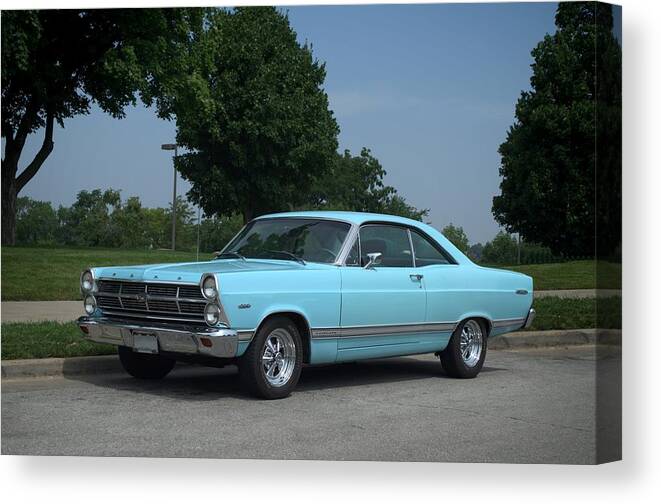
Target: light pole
pixel 174 189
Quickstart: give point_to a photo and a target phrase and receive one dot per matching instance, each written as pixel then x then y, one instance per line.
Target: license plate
pixel 145 342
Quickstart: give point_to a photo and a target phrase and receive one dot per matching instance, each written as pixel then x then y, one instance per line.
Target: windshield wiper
pixel 230 254
pixel 291 256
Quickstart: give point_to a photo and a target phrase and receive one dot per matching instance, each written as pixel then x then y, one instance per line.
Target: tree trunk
pixel 8 206
pixel 11 184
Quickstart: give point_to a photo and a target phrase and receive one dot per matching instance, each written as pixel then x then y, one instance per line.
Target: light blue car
pixel 307 288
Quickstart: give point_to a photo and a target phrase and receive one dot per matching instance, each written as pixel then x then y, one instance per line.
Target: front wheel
pixel 271 366
pixel 144 366
pixel 464 356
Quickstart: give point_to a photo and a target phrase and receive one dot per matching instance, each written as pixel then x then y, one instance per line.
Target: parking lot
pixel 533 406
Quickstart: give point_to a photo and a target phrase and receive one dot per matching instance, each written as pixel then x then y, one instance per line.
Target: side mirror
pixel 374 260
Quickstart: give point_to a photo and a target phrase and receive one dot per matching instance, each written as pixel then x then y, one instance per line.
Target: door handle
pixel 416 277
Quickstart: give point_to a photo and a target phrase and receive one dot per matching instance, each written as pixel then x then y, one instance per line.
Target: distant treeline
pixel 101 219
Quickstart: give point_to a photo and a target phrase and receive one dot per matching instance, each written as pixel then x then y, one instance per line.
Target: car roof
pixel 352 217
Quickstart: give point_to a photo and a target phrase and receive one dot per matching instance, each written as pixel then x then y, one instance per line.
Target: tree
pixel 36 222
pixel 501 250
pixel 355 183
pixel 56 63
pixel 88 221
pixel 475 251
pixel 457 236
pixel 550 157
pixel 255 117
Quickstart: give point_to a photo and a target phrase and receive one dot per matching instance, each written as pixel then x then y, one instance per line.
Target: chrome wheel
pixel 471 343
pixel 278 357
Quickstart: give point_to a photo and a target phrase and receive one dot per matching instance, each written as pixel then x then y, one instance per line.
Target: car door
pixel 383 306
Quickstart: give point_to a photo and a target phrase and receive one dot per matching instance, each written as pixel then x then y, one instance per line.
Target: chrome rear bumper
pixel 529 318
pixel 186 339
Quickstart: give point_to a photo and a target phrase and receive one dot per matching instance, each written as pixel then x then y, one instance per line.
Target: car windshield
pixel 290 239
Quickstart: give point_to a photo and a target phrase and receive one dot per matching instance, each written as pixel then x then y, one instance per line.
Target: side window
pixel 391 241
pixel 426 253
pixel 353 259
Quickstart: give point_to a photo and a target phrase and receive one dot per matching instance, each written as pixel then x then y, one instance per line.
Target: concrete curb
pixel 532 339
pixel 32 368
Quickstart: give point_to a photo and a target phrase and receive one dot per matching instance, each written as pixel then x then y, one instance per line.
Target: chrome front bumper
pixel 529 318
pixel 209 341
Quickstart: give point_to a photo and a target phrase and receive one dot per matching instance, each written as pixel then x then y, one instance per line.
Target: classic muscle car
pixel 307 288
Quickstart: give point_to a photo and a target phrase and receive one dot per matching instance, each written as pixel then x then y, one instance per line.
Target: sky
pixel 430 89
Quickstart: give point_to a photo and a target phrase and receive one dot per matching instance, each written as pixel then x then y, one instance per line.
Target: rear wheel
pixel 144 366
pixel 271 366
pixel 464 356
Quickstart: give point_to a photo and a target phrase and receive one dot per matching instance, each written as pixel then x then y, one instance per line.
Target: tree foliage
pixel 255 118
pixel 355 183
pixel 555 149
pixel 101 219
pixel 56 63
pixel 457 236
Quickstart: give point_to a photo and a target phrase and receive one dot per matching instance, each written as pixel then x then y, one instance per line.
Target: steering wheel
pixel 330 253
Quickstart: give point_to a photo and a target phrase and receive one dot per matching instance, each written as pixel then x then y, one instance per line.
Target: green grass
pixel 53 339
pixel 557 313
pixel 573 275
pixel 39 340
pixel 48 274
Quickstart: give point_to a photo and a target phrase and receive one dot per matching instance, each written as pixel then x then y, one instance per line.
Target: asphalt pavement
pixel 527 406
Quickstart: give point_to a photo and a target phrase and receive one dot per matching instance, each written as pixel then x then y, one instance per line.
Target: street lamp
pixel 174 190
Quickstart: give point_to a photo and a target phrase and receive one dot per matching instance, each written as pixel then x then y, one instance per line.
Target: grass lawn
pixel 573 275
pixel 50 274
pixel 557 313
pixel 39 340
pixel 52 339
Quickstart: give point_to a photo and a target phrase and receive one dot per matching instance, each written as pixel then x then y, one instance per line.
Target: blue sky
pixel 430 89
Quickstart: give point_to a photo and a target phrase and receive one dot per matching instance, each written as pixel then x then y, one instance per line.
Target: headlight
pixel 211 314
pixel 209 287
pixel 87 281
pixel 89 304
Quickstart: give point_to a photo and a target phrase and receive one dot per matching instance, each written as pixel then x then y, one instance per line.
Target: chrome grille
pixel 151 300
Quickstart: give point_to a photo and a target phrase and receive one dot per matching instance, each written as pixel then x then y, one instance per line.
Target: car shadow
pixel 199 383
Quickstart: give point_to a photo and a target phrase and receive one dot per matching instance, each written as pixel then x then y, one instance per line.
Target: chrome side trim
pixel 380 330
pixel 508 322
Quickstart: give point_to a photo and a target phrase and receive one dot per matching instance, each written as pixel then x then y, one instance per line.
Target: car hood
pixel 193 271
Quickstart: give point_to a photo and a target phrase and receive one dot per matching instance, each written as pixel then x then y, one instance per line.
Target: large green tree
pixel 355 183
pixel 567 136
pixel 56 63
pixel 255 117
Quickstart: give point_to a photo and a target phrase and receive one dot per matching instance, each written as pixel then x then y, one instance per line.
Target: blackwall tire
pixel 144 366
pixel 271 365
pixel 464 356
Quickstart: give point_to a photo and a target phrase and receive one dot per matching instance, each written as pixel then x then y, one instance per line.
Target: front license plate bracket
pixel 145 342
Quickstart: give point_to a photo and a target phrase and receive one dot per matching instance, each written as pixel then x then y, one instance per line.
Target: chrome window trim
pixel 408 231
pixel 339 259
pixel 448 257
pixel 352 236
pixel 388 224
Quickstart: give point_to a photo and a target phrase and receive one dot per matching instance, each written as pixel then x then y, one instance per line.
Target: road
pixel 534 406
